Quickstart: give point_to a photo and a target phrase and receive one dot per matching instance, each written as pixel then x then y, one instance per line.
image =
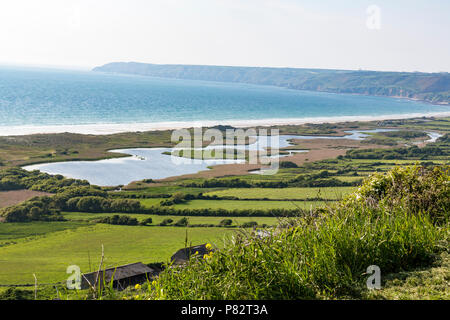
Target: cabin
pixel 122 276
pixel 183 255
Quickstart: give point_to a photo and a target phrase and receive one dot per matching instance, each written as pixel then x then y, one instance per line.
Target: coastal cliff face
pixel 430 87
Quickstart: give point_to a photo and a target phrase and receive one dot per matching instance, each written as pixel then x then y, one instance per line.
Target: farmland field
pixel 237 204
pixel 240 204
pixel 48 256
pixel 284 193
pixel 11 231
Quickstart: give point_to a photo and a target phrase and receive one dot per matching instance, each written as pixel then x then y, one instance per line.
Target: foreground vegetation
pixel 325 255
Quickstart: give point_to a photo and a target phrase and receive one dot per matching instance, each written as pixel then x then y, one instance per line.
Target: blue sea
pixel 32 97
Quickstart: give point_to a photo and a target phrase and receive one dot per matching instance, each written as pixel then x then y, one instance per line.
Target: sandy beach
pixel 111 128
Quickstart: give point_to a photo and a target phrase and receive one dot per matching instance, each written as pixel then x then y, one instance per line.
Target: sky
pixel 389 35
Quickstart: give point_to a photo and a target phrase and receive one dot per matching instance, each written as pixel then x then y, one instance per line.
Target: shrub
pixel 146 222
pixel 288 164
pixel 178 197
pixel 183 222
pixel 35 209
pixel 166 222
pixel 250 224
pixel 326 258
pixel 120 220
pixel 418 188
pixel 225 223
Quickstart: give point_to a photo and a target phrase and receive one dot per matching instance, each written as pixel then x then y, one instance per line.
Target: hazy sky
pixel 409 35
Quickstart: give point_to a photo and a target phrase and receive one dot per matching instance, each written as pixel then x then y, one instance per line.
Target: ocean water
pixel 40 97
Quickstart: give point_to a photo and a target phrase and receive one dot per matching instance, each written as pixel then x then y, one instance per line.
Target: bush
pixel 16 294
pixel 120 220
pixel 288 164
pixel 166 222
pixel 418 188
pixel 183 222
pixel 225 223
pixel 250 224
pixel 146 222
pixel 327 258
pixel 35 209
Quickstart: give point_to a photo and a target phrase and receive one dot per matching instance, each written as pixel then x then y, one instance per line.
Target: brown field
pixel 10 198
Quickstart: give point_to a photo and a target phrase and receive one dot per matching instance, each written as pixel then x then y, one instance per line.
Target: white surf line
pixel 111 128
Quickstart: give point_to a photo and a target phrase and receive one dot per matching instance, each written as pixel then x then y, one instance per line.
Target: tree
pixel 183 222
pixel 166 222
pixel 146 222
pixel 225 223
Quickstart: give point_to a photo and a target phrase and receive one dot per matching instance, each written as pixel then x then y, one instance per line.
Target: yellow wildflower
pixel 137 286
pixel 208 246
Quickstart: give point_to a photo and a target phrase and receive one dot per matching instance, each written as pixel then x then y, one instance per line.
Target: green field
pixel 151 202
pixel 11 231
pixel 49 255
pixel 47 248
pixel 284 193
pixel 237 204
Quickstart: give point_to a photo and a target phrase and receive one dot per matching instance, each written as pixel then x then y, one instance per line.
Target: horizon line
pixel 90 68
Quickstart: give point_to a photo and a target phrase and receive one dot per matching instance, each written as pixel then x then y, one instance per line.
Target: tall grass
pixel 319 256
pixel 324 258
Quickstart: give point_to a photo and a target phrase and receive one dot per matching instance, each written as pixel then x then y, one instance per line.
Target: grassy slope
pixel 420 284
pixel 236 204
pixel 326 257
pixel 284 193
pixel 49 255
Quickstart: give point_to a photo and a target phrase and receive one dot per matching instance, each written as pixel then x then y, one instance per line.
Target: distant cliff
pixel 430 87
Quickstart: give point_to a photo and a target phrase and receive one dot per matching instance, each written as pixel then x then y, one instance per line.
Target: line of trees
pixel 18 178
pixel 207 212
pixel 321 179
pixel 35 209
pixel 413 152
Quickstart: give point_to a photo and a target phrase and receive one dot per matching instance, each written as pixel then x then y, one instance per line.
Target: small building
pixel 122 276
pixel 183 255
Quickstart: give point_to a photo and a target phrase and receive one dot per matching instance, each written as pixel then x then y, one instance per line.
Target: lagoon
pixel 151 163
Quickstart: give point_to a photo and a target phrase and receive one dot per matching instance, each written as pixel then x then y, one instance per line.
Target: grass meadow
pixel 49 254
pixel 335 193
pixel 47 248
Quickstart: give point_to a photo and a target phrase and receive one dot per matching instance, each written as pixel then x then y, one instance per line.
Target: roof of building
pixel 183 255
pixel 119 273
